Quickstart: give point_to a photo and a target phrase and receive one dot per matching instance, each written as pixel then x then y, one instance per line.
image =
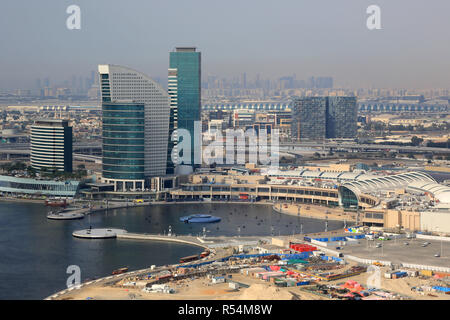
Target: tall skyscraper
pixel 135 127
pixel 51 145
pixel 318 118
pixel 185 92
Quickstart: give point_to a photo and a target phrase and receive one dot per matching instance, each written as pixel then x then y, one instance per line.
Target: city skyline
pixel 409 51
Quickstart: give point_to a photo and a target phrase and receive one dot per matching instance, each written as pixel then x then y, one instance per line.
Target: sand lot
pixel 203 289
pixel 198 289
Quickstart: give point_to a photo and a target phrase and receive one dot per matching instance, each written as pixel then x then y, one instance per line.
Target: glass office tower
pixel 309 118
pixel 319 118
pixel 342 117
pixel 136 113
pixel 123 144
pixel 185 91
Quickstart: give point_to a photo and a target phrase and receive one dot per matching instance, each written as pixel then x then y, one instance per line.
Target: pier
pixel 104 233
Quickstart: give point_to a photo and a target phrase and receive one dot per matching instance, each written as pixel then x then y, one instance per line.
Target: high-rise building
pixel 324 82
pixel 51 145
pixel 172 88
pixel 135 127
pixel 342 117
pixel 124 144
pixel 309 118
pixel 318 118
pixel 185 91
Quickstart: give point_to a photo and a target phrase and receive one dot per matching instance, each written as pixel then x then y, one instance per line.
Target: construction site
pixel 302 272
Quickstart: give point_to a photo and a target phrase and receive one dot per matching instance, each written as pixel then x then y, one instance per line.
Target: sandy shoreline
pixel 314 211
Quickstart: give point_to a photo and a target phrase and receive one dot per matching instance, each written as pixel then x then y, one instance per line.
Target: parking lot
pixel 397 251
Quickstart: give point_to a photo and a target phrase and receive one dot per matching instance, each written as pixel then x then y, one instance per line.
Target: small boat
pixel 120 271
pixel 189 258
pixel 200 218
pixel 56 203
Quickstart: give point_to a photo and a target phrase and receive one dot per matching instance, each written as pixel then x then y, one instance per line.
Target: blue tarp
pixel 321 239
pixel 443 289
pixel 358 236
pixel 338 239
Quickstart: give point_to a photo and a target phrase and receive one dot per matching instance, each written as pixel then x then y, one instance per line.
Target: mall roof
pixel 439 191
pixel 316 174
pixel 390 182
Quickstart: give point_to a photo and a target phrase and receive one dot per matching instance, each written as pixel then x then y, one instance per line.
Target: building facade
pixel 185 91
pixel 26 186
pixel 123 144
pixel 136 113
pixel 342 117
pixel 51 145
pixel 318 118
pixel 309 118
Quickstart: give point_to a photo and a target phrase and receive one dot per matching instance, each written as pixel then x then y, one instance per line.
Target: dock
pixel 104 233
pixel 206 243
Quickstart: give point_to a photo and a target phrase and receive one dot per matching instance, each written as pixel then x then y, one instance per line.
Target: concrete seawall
pixel 181 239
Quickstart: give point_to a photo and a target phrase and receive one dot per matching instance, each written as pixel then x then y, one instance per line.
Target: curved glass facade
pixel 123 140
pixel 15 185
pixel 135 116
pixel 348 199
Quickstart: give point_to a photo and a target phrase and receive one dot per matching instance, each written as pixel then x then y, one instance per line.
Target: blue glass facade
pixel 188 64
pixel 123 140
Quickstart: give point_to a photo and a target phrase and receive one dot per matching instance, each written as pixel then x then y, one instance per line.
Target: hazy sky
pixel 273 38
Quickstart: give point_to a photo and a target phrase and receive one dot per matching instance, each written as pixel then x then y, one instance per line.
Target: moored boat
pixel 189 258
pixel 200 218
pixel 120 271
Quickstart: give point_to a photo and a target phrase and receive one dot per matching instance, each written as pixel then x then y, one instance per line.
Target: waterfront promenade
pixel 313 211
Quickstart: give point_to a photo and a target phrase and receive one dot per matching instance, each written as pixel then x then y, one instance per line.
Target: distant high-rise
pixel 135 127
pixel 51 145
pixel 318 118
pixel 309 118
pixel 342 117
pixel 185 92
pixel 324 82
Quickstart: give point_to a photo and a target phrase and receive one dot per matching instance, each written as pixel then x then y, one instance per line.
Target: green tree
pixel 415 141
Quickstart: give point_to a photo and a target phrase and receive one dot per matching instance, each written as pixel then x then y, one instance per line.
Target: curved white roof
pixel 396 181
pixel 439 191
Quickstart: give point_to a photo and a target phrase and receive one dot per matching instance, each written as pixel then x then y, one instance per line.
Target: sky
pixel 272 38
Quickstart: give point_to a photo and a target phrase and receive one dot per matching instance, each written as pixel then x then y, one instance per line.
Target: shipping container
pixel 427 273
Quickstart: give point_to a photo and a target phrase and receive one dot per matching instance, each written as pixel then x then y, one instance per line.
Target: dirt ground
pixel 198 289
pixel 203 289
